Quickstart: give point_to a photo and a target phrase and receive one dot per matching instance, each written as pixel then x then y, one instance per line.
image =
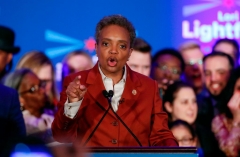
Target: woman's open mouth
pixel 112 61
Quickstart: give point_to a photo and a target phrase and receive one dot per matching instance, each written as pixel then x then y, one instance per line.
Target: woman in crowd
pixel 42 66
pixel 185 134
pixel 226 125
pixel 179 101
pixel 32 98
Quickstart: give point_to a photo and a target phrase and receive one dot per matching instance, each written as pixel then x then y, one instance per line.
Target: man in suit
pixel 11 118
pixel 132 116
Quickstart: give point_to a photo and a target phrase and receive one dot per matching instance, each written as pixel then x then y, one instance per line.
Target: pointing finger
pixel 77 80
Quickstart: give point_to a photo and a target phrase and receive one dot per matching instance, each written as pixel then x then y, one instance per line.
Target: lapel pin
pixel 134 92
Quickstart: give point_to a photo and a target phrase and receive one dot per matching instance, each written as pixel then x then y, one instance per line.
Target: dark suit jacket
pixel 141 111
pixel 11 119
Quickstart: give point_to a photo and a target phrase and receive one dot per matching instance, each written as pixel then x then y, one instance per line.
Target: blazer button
pixel 114 141
pixel 115 123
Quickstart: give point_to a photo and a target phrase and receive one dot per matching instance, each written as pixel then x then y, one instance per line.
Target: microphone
pixel 109 96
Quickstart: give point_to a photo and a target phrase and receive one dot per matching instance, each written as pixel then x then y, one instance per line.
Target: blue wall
pixel 60 26
pixel 48 25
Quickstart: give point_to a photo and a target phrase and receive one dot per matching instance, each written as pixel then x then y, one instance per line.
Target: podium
pixel 141 152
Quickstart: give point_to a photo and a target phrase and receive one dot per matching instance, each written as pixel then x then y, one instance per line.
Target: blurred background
pixel 58 27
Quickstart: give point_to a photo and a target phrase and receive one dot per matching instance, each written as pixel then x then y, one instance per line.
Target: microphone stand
pixel 109 97
pixel 90 136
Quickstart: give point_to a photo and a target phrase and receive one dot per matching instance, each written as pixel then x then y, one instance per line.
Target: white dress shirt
pixel 71 109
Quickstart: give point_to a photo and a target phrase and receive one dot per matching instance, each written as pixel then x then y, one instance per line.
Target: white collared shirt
pixel 71 109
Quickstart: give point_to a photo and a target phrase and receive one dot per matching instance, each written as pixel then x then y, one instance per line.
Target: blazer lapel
pixel 130 94
pixel 96 86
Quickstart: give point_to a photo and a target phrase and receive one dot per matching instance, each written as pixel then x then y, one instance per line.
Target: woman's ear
pixel 22 102
pixel 168 107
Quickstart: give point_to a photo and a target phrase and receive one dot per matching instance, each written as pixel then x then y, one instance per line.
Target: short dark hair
pixel 170 93
pixel 141 45
pixel 172 89
pixel 183 123
pixel 233 42
pixel 221 54
pixel 116 20
pixel 169 51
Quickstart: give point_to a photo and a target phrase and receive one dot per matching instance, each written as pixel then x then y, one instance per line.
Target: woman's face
pixel 31 93
pixel 184 106
pixel 45 75
pixel 183 136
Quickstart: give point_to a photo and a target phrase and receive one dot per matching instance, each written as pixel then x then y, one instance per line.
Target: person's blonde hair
pixel 35 60
pixel 188 46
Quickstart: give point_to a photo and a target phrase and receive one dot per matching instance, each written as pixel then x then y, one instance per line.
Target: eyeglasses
pixel 193 62
pixel 185 141
pixel 34 88
pixel 166 68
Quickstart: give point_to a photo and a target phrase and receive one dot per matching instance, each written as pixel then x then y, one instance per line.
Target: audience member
pixel 228 46
pixel 11 119
pixel 76 61
pixel 167 67
pixel 42 66
pixel 7 50
pixel 180 103
pixel 226 125
pixel 217 68
pixel 120 100
pixel 185 135
pixel 193 72
pixel 32 98
pixel 140 59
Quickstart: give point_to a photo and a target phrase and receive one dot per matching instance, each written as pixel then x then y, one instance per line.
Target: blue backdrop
pixel 59 26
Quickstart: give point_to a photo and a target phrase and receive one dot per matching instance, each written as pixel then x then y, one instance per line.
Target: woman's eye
pixel 105 44
pixel 122 46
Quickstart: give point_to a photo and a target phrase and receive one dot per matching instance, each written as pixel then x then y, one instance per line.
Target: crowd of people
pixel 199 93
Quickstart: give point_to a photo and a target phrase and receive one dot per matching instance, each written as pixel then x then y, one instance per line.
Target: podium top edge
pixel 141 149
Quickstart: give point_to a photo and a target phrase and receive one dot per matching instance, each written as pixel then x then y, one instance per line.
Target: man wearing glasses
pixel 193 56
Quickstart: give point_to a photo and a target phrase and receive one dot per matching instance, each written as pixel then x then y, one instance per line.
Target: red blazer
pixel 141 111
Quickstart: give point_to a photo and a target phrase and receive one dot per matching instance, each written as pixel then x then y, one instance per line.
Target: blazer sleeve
pixel 64 129
pixel 160 133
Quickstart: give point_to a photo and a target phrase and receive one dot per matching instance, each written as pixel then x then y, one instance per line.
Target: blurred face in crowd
pixel 167 69
pixel 31 94
pixel 140 62
pixel 226 48
pixel 5 58
pixel 217 72
pixel 183 136
pixel 184 106
pixel 113 50
pixel 79 62
pixel 46 76
pixel 194 69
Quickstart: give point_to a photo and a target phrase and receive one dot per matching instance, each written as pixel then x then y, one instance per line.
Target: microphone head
pixel 110 93
pixel 105 93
